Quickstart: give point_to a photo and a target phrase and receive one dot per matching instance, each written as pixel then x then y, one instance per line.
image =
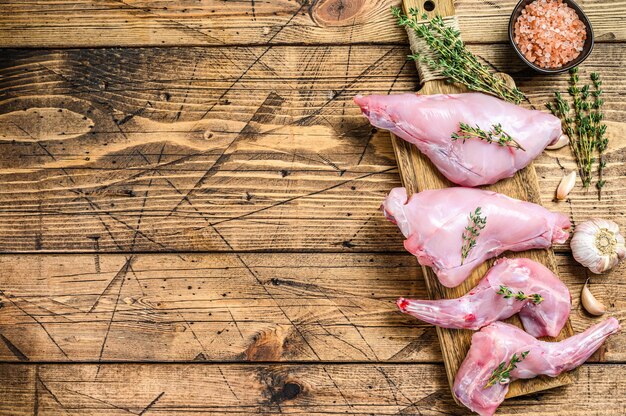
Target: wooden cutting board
pixel 418 174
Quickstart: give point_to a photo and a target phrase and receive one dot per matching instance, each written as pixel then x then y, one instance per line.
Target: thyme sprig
pixel 602 142
pixel 502 374
pixel 582 122
pixel 494 135
pixel 508 294
pixel 475 224
pixel 586 136
pixel 452 58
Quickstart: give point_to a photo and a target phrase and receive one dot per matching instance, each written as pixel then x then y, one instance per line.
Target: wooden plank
pixel 91 23
pixel 229 307
pixel 305 171
pixel 202 154
pixel 223 307
pixel 320 389
pixel 419 174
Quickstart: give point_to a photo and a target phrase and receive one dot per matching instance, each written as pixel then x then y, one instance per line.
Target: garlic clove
pixel 563 140
pixel 590 303
pixel 566 185
pixel 598 245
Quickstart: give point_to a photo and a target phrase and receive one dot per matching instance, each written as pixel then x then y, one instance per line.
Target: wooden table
pixel 189 210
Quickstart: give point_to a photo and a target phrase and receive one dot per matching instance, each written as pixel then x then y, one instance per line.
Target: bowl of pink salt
pixel 550 36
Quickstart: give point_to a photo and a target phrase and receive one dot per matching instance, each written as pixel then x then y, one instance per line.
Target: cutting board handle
pixel 432 8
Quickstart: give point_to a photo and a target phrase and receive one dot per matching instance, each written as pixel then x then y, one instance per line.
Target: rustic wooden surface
pixel 304 389
pixel 233 307
pixel 286 183
pixel 176 221
pixel 88 23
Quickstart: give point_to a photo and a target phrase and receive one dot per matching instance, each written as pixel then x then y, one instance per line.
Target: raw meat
pixel 428 121
pixel 434 223
pixel 497 343
pixel 484 305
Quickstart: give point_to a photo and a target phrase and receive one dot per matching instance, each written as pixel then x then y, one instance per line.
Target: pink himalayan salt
pixel 549 33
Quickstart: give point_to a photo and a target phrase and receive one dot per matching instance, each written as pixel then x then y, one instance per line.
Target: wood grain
pixel 222 149
pixel 97 23
pixel 320 389
pixel 419 174
pixel 236 307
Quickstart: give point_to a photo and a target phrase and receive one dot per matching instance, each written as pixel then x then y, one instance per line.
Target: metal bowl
pixel 587 47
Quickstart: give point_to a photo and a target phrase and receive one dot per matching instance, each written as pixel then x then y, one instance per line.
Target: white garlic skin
pixel 598 245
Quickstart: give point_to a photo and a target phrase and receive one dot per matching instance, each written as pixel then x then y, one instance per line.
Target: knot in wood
pixel 336 12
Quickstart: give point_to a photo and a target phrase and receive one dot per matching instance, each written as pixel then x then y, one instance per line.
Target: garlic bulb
pixel 590 303
pixel 563 140
pixel 598 245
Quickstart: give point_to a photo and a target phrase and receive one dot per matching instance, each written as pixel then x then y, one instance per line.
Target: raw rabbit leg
pixel 497 343
pixel 433 223
pixel 483 305
pixel 428 121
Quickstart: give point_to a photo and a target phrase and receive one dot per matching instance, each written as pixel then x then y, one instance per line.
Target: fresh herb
pixel 471 232
pixel 602 142
pixel 502 374
pixel 583 125
pixel 582 122
pixel 452 57
pixel 508 294
pixel 495 135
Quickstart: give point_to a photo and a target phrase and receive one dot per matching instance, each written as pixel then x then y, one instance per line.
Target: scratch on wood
pixel 266 290
pixel 327 161
pixel 39 382
pixel 427 337
pixel 235 322
pixel 99 400
pixel 36 393
pixel 193 75
pixel 393 388
pixel 305 119
pixel 152 403
pixel 347 73
pixel 185 27
pixel 243 74
pixel 227 383
pixel 96 256
pixel 14 350
pixel 38 323
pixel 324 293
pixel 340 339
pixel 143 204
pixel 429 400
pixel 303 196
pixel 141 233
pixel 339 390
pixel 122 273
pixel 359 332
pixel 267 107
pixel 130 116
